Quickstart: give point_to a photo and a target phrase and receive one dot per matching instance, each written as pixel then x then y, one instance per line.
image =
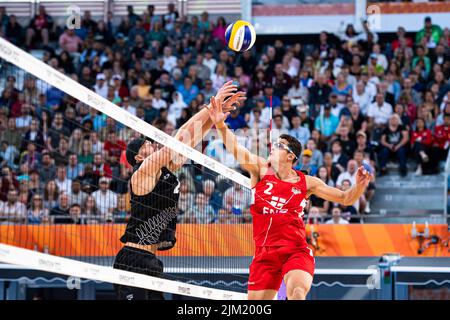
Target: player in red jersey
pixel 280 195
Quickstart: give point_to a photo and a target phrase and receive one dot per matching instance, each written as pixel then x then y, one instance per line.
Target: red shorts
pixel 270 264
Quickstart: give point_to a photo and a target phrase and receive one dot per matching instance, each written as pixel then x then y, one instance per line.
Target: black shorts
pixel 139 261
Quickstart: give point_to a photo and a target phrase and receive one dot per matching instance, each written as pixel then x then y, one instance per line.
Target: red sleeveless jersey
pixel 277 211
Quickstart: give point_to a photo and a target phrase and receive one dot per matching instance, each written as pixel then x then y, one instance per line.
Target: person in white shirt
pixel 381 58
pixel 158 102
pixel 24 121
pixel 105 199
pixel 170 61
pixel 350 174
pixel 336 217
pixel 209 61
pixel 12 210
pixel 236 197
pixel 97 145
pixel 126 106
pixel 101 87
pixel 379 112
pixel 176 107
pixel 64 184
pixel 362 97
pixel 370 87
pixel 278 127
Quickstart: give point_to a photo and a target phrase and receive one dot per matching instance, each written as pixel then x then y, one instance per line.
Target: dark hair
pixel 293 143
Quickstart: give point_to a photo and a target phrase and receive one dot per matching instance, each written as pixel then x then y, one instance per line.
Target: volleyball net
pixel 65 186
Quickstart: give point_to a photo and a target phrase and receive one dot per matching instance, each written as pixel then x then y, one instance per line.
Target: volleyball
pixel 240 36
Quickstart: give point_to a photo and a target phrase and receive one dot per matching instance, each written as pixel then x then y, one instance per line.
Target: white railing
pixel 98 8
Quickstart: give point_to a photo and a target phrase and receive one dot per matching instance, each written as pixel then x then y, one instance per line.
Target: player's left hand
pixel 216 112
pixel 236 100
pixel 363 177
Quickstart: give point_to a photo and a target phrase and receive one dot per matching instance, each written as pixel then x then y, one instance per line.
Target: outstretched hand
pixel 216 112
pixel 363 177
pixel 228 98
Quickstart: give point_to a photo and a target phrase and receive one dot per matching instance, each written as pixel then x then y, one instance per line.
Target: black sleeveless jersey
pixel 153 216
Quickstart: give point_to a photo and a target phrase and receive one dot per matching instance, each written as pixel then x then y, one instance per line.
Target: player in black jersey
pixel 154 198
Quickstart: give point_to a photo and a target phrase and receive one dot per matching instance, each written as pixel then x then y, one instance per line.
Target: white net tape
pixel 45 262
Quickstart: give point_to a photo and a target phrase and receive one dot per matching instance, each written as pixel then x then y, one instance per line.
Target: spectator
pixel 105 199
pixel 336 217
pixel 301 133
pixel 348 211
pixel 12 210
pixel 51 194
pixel 394 141
pixel 57 131
pixel 36 186
pixel 421 143
pixel 213 197
pixel 236 120
pixel 305 165
pixel 326 123
pixel 37 214
pixel 70 42
pixel 30 157
pixel 322 205
pixel 158 102
pixel 219 76
pixel 219 31
pixel 101 87
pixel 188 90
pixel 431 33
pixel 39 28
pixel 317 155
pixel 61 154
pixel 348 144
pixel 14 31
pixel 64 184
pixel 442 138
pixel 171 16
pixel 90 209
pixel 75 214
pixel 60 213
pixel 339 159
pixel 34 135
pixel 47 170
pixel 9 155
pixel 202 212
pixel 350 174
pixel 74 169
pixel 236 197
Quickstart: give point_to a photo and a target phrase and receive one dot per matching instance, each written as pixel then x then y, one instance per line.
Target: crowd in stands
pixel 349 98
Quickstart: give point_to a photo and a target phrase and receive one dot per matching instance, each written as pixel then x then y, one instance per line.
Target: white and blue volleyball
pixel 240 36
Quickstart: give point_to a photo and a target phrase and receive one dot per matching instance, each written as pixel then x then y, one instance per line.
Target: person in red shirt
pixel 114 146
pixel 39 26
pixel 421 144
pixel 280 195
pixel 442 138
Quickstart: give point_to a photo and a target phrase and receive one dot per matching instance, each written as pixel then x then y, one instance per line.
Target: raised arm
pixel 248 161
pixel 317 187
pixel 191 133
pixel 195 130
